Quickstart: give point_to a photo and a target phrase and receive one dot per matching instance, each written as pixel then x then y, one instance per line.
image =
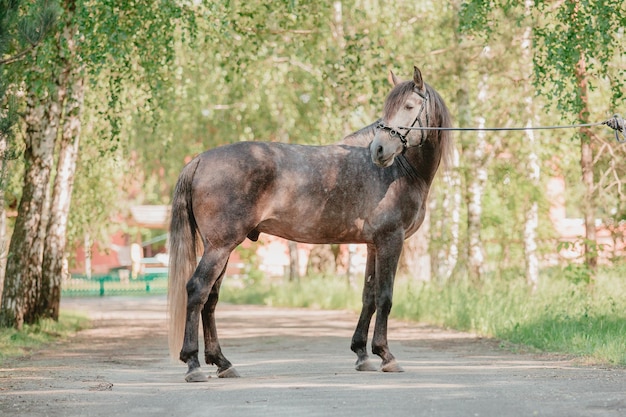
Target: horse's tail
pixel 183 256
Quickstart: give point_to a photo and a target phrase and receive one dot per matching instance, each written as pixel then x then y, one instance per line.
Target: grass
pixel 562 316
pixel 320 293
pixel 15 343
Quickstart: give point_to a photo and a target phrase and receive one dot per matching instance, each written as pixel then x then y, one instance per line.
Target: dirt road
pixel 293 363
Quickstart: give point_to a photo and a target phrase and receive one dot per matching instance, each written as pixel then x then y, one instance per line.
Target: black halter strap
pixel 418 119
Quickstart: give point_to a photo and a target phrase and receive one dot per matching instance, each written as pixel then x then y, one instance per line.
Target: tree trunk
pixel 3 245
pixel 52 270
pixel 531 222
pixel 3 241
pixel 337 25
pixel 294 262
pixel 448 224
pixel 321 261
pixel 3 213
pixel 476 181
pixel 586 164
pixel 23 272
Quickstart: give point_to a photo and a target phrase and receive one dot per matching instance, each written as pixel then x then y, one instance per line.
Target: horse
pixel 369 188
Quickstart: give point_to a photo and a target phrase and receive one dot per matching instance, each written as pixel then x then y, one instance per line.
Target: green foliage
pixel 20 342
pixel 580 272
pixel 132 45
pixel 22 28
pixel 572 30
pixel 577 273
pixel 167 80
pixel 34 26
pixel 561 33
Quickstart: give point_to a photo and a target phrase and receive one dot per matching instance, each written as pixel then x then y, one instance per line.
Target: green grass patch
pixel 20 342
pixel 321 293
pixel 562 316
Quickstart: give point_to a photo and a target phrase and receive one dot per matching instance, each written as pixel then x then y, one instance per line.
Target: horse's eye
pixel 408 107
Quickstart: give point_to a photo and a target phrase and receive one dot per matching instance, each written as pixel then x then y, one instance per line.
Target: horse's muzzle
pixel 383 154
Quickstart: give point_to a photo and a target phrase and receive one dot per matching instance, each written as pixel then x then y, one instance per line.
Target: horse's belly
pixel 311 230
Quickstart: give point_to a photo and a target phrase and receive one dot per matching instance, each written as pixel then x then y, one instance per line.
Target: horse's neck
pixel 362 137
pixel 423 162
pixel 415 163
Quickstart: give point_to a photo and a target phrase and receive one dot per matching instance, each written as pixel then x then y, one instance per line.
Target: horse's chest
pixel 416 221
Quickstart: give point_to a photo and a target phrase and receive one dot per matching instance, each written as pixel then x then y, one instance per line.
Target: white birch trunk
pixel 449 223
pixel 87 243
pixel 23 273
pixel 71 79
pixel 476 181
pixel 337 27
pixel 534 169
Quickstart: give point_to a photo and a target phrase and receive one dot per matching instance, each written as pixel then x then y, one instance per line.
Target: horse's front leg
pixel 387 256
pixel 359 339
pixel 198 289
pixel 212 350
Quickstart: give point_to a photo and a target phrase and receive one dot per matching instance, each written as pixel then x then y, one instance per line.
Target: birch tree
pixel 21 32
pixel 72 80
pixel 32 287
pixel 22 286
pixel 475 150
pixel 576 43
pixel 477 155
pixel 448 226
pixel 531 222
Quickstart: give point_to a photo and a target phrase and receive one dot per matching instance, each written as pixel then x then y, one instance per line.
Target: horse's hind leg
pixel 359 339
pixel 212 350
pixel 198 289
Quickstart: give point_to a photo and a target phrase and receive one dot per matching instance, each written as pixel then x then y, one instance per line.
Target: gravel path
pixel 293 363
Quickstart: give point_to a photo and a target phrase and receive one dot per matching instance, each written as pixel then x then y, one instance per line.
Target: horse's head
pixel 409 104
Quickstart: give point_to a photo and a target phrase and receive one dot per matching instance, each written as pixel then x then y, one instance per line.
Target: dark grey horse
pixel 370 188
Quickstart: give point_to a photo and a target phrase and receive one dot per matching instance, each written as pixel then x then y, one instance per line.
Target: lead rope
pixel 616 123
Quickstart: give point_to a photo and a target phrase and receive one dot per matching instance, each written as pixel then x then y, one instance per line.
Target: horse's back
pixel 294 191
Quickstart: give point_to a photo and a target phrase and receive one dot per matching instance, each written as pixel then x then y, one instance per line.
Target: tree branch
pixel 18 56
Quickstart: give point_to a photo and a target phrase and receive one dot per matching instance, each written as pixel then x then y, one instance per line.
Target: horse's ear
pixel 393 80
pixel 417 78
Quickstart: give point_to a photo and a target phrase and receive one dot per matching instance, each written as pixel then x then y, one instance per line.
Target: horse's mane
pixel 397 97
pixel 441 117
pixel 362 137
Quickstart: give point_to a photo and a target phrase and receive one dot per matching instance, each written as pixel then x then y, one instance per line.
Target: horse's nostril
pixel 379 151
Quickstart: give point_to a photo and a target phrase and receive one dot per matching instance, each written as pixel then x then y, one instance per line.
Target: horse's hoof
pixel 391 367
pixel 365 366
pixel 228 373
pixel 196 376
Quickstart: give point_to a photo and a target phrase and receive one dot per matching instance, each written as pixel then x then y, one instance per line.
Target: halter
pixel 393 132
